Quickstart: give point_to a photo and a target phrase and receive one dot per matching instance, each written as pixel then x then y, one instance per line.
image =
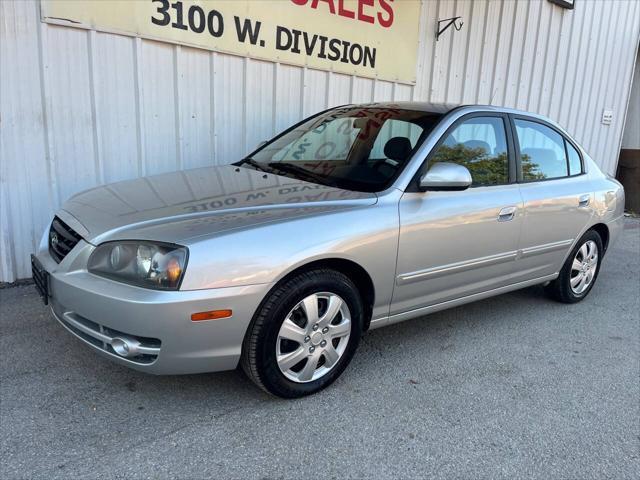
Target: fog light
pixel 125 347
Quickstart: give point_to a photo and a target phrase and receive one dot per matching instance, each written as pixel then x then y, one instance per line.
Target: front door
pixel 456 243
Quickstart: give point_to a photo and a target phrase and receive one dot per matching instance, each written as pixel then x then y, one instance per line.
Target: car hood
pixel 179 206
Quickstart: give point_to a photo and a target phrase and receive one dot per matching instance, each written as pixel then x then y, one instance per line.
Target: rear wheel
pixel 580 270
pixel 304 334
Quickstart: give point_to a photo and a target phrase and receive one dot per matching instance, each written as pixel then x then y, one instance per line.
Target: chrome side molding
pixel 434 272
pixel 545 248
pixel 455 267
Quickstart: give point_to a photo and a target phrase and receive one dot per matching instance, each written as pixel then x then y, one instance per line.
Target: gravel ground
pixel 511 387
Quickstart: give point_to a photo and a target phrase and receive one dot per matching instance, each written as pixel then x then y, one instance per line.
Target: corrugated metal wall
pixel 631 135
pixel 79 108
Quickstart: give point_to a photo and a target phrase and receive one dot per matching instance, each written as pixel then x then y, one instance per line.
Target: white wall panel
pixel 609 143
pixel 339 89
pixel 26 199
pixel 159 99
pixel 506 32
pixel 382 91
pixel 361 90
pixel 568 32
pixel 287 97
pixel 259 105
pixel 195 107
pixel 314 97
pixel 113 79
pixel 69 109
pixel 550 64
pixel 403 93
pixel 513 73
pixel 81 108
pixel 229 101
pixel 538 60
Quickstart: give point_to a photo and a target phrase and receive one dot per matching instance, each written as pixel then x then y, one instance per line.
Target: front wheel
pixel 580 270
pixel 304 334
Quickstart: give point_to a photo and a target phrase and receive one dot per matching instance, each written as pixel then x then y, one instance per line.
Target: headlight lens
pixel 159 266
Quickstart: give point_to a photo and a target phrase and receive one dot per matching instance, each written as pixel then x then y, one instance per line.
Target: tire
pixel 271 345
pixel 561 289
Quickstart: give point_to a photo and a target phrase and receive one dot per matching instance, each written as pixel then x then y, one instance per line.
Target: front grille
pixel 62 239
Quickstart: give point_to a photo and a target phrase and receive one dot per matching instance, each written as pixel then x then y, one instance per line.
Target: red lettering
pixel 382 10
pixel 363 16
pixel 386 22
pixel 332 8
pixel 367 129
pixel 343 12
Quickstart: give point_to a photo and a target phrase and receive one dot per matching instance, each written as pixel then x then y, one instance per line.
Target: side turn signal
pixel 211 315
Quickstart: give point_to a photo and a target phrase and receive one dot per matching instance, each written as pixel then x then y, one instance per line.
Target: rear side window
pixel 480 144
pixel 542 152
pixel 575 164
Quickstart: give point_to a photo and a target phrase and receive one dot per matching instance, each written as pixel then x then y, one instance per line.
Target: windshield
pixel 354 148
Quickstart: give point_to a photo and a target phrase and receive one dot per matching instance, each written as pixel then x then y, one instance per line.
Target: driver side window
pixel 480 144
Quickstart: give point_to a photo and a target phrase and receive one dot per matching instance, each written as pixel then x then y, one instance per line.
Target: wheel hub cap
pixel 584 267
pixel 313 337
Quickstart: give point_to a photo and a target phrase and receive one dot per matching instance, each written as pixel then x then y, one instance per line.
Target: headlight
pixel 145 264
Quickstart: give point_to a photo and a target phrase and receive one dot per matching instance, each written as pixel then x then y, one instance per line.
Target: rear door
pixel 457 243
pixel 556 194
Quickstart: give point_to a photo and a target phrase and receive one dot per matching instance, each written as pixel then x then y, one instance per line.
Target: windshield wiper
pixel 254 164
pixel 301 172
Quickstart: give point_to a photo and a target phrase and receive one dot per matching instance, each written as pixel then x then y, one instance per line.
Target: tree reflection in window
pixel 480 145
pixel 542 151
pixel 485 169
pixel 530 169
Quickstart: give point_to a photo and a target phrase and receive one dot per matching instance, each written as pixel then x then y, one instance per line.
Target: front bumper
pixel 97 310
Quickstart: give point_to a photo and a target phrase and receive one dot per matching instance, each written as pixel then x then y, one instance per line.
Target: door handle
pixel 584 200
pixel 506 214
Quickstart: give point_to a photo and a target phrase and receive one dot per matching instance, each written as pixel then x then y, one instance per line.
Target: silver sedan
pixel 358 217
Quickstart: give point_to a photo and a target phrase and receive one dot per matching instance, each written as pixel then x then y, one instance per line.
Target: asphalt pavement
pixel 516 386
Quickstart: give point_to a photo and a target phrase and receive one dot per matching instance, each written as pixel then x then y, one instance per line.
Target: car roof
pixel 445 108
pixel 440 108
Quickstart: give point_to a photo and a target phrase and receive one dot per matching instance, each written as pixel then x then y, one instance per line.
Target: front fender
pixel 266 253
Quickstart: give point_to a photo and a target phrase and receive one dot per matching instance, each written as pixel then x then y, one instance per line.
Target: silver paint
pixel 245 231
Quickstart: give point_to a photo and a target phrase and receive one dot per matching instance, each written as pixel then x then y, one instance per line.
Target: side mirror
pixel 446 176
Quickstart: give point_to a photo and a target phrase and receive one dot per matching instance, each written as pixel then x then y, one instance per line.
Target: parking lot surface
pixel 511 387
